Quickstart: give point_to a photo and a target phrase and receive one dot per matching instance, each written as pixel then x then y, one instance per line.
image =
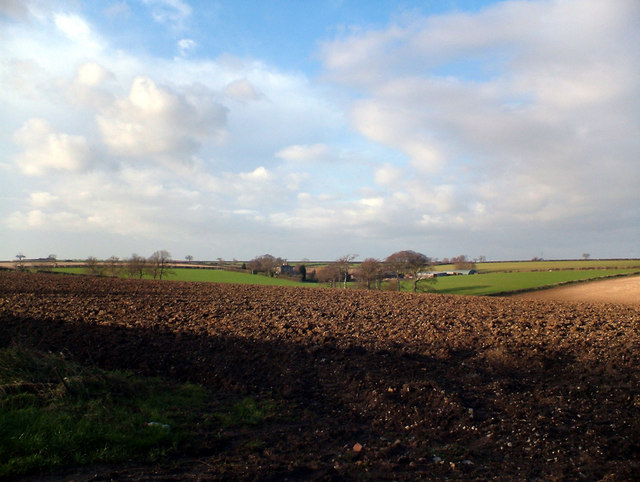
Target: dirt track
pixel 619 290
pixel 430 386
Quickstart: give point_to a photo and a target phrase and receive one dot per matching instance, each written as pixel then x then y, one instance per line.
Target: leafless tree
pixel 52 261
pixel 330 274
pixel 586 256
pixel 344 263
pixel 94 267
pixel 113 266
pixel 20 264
pixel 189 258
pixel 136 266
pixel 370 270
pixel 408 262
pixel 159 264
pixel 462 262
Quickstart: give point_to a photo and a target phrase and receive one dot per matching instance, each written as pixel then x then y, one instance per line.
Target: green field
pixel 493 278
pixel 209 275
pixel 503 266
pixel 504 282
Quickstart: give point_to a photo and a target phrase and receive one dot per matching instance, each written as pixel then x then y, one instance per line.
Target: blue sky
pixel 505 129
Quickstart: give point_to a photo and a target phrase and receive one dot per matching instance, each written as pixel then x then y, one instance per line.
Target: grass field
pixel 209 275
pixel 493 278
pixel 502 266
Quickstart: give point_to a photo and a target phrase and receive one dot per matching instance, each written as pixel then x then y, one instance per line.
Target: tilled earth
pixel 372 385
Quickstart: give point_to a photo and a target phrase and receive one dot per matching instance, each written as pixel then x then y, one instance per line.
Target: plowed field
pixel 621 290
pixel 374 385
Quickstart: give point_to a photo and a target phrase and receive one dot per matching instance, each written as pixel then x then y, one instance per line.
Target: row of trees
pixel 40 264
pixel 156 265
pixel 371 271
pixel 406 264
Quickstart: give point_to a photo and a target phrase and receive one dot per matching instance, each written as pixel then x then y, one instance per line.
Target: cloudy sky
pixel 313 129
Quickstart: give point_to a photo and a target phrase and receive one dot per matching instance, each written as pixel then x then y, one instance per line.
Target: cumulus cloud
pixel 73 26
pixel 509 124
pixel 46 150
pixel 156 120
pixel 243 90
pixel 41 199
pixel 92 74
pixel 303 153
pixel 523 101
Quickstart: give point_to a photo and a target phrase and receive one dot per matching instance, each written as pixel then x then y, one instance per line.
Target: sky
pixel 314 129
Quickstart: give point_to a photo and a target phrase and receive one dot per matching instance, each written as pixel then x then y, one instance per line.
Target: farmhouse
pixel 285 269
pixel 438 274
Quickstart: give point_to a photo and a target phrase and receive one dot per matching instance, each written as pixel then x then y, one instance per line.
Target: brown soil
pixel 619 290
pixel 371 385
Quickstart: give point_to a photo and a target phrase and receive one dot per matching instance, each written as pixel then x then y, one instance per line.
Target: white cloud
pixel 174 12
pixel 387 175
pixel 160 121
pixel 41 199
pixel 304 153
pixel 92 74
pixel 242 89
pixel 186 46
pixel 73 27
pixel 526 137
pixel 520 119
pixel 46 150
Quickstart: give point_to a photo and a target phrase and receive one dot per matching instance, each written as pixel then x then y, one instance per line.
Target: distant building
pixel 438 274
pixel 286 269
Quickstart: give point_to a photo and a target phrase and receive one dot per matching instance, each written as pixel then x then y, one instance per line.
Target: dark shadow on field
pixel 403 406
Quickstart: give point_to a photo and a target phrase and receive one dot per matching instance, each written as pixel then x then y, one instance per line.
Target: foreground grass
pixel 55 413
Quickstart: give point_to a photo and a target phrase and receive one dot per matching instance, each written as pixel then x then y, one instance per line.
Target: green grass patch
pixel 222 276
pixel 55 413
pixel 246 412
pixel 209 275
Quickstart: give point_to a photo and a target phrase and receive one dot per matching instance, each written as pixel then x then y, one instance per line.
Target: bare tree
pixel 159 263
pixel 330 274
pixel 586 256
pixel 370 270
pixel 113 266
pixel 344 263
pixel 94 267
pixel 408 262
pixel 462 262
pixel 189 258
pixel 136 266
pixel 51 262
pixel 20 264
